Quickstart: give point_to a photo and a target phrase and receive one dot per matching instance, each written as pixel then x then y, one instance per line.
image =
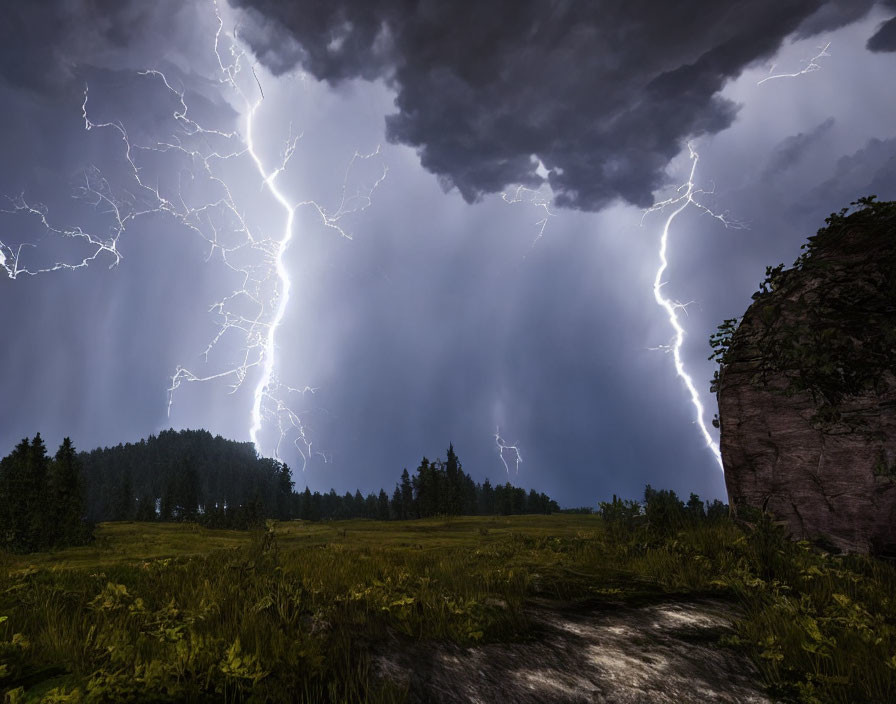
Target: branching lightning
pixel 538 198
pixel 811 65
pixel 686 195
pixel 255 310
pixel 503 447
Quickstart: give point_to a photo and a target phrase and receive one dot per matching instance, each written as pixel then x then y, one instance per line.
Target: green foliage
pixel 720 341
pixel 621 517
pixel 818 337
pixel 13 652
pixel 665 512
pixel 772 281
pixel 820 628
pixel 298 611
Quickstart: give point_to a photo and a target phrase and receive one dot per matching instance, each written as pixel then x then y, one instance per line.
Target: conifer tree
pixel 66 499
pixel 14 488
pixel 35 496
pixel 488 498
pixel 123 501
pixel 396 511
pixel 305 505
pixel 188 495
pixel 453 488
pixel 146 509
pixel 407 496
pixel 284 493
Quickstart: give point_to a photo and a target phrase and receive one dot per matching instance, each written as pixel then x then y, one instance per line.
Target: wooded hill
pixel 191 475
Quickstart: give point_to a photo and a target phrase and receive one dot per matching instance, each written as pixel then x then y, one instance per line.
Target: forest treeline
pixel 42 501
pixel 191 475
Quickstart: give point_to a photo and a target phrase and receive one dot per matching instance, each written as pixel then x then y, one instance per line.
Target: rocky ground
pixel 666 652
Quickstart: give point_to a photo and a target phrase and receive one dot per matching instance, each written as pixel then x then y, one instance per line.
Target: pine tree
pixel 14 487
pixel 284 493
pixel 316 512
pixel 40 522
pixel 305 510
pixel 487 503
pixel 146 509
pixel 407 496
pixel 396 511
pixel 532 502
pixel 123 502
pixel 167 506
pixel 347 507
pixel 382 506
pixel 453 489
pixel 428 488
pixel 371 506
pixel 67 502
pixel 518 500
pixel 470 507
pixel 188 494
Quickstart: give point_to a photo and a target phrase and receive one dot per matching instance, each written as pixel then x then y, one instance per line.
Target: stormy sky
pixel 427 142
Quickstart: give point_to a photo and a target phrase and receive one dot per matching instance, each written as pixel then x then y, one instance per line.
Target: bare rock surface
pixel 666 652
pixel 807 390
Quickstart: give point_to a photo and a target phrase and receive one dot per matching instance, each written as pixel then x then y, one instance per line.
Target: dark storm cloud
pixel 833 15
pixel 788 152
pixel 42 44
pixel 50 50
pixel 604 94
pixel 870 170
pixel 885 37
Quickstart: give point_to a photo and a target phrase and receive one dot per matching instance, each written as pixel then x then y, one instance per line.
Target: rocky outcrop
pixel 807 388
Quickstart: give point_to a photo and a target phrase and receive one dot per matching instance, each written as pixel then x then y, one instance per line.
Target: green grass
pixel 172 612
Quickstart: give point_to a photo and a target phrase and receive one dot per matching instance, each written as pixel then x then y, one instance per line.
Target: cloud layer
pixel 602 94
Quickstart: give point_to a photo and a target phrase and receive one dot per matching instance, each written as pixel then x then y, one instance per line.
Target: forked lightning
pixel 255 310
pixel 685 195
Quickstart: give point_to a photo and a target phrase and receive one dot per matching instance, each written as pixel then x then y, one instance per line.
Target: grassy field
pixel 175 612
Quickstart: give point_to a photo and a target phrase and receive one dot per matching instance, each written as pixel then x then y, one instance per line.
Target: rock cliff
pixel 807 388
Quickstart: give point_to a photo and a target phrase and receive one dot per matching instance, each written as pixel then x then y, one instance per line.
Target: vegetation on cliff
pixel 828 324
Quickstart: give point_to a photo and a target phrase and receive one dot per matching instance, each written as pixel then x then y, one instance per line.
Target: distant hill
pixel 180 471
pixel 193 475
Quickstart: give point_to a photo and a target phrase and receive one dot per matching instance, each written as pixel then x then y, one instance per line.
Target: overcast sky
pixel 439 309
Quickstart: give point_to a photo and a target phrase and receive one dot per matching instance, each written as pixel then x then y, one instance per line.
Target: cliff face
pixel 807 388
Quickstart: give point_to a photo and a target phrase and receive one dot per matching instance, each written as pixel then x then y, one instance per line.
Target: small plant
pixel 720 341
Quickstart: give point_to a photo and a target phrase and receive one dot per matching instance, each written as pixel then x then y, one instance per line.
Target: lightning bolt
pixel 686 195
pixel 267 356
pixel 502 447
pixel 256 309
pixel 11 257
pixel 537 198
pixel 811 65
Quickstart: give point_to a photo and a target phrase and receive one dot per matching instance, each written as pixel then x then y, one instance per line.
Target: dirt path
pixel 666 652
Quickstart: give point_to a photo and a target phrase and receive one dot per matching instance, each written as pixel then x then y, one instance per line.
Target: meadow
pixel 155 612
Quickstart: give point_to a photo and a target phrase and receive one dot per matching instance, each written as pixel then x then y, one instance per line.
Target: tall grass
pixel 299 612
